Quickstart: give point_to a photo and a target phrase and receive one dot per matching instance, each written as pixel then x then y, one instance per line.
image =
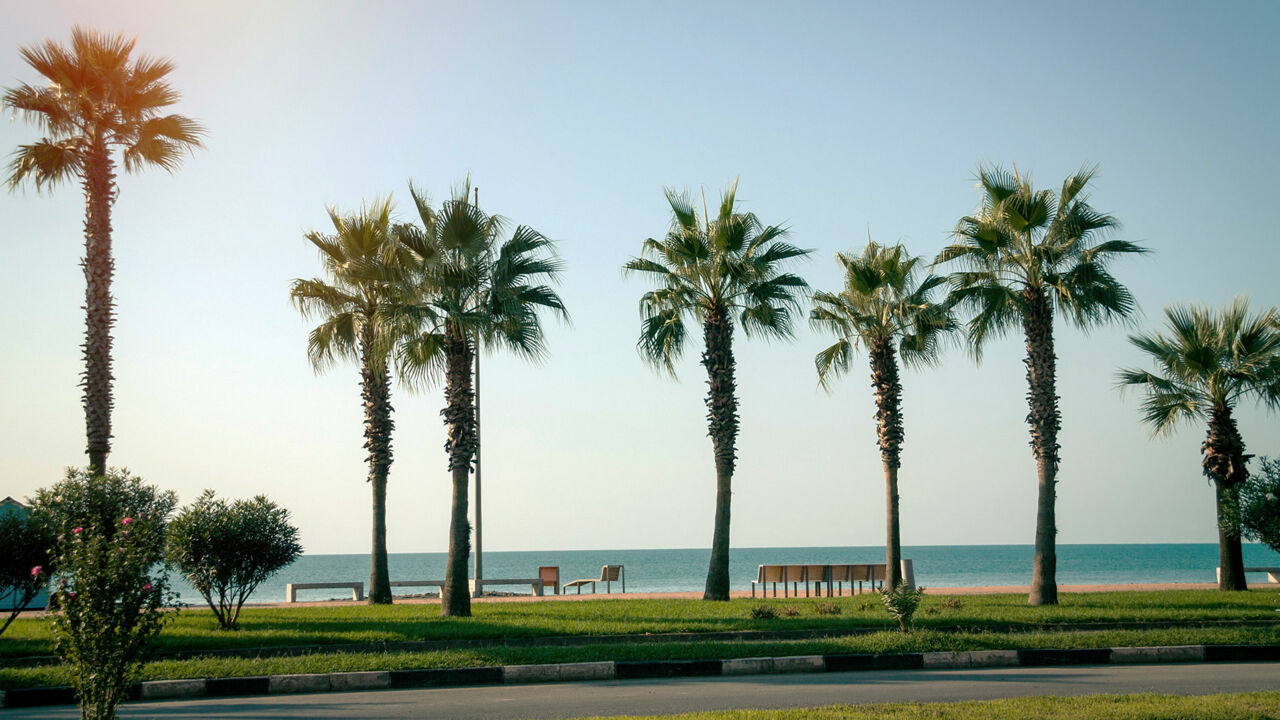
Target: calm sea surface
pixel 684 570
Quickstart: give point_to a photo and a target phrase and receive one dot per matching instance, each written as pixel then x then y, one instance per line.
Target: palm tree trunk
pixel 888 388
pixel 459 416
pixel 722 422
pixel 1224 464
pixel 378 425
pixel 99 267
pixel 1045 420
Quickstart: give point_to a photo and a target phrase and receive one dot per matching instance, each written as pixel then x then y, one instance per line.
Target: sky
pixel 572 118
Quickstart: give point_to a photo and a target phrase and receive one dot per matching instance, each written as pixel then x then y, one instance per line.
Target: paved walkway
pixel 569 700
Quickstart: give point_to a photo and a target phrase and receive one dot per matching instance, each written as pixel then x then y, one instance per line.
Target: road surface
pixel 644 697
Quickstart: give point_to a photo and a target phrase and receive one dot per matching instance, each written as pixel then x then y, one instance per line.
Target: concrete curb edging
pixel 637 669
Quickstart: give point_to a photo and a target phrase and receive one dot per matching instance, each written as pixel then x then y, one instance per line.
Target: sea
pixel 686 570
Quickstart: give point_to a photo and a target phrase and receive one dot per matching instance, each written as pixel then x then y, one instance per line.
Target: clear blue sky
pixel 572 118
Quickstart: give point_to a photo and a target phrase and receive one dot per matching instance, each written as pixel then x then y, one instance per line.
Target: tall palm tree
pixel 1206 363
pixel 98 100
pixel 355 304
pixel 889 309
pixel 708 271
pixel 1023 255
pixel 469 288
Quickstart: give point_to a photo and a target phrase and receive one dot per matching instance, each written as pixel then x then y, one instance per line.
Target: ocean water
pixel 685 570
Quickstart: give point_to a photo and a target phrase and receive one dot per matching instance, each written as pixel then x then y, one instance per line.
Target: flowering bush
pixel 110 589
pixel 26 560
pixel 225 551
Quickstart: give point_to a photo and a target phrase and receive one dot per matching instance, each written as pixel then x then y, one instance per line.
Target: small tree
pixel 26 563
pixel 901 601
pixel 225 550
pixel 108 601
pixel 1260 504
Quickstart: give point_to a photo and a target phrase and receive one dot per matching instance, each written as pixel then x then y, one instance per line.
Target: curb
pixel 639 669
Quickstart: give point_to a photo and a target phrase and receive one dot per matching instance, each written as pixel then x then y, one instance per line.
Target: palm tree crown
pixel 354 300
pixel 1207 360
pixel 884 301
pixel 702 267
pixel 467 283
pixel 1026 244
pixel 97 97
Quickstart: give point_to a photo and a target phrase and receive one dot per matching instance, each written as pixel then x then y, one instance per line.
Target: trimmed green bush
pixel 226 550
pixel 26 562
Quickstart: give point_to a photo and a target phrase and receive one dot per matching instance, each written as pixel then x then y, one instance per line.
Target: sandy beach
pixel 571 597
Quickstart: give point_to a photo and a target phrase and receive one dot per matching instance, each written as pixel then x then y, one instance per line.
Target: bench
pixel 535 583
pixel 1273 573
pixel 767 575
pixel 291 589
pixel 418 583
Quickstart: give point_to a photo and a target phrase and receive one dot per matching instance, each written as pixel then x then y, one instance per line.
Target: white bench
pixel 1273 573
pixel 535 583
pixel 291 589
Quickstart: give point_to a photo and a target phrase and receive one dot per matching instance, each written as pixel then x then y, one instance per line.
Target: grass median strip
pixel 195 630
pixel 883 642
pixel 1236 706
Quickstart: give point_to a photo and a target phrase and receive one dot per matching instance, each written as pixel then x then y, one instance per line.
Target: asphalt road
pixel 567 700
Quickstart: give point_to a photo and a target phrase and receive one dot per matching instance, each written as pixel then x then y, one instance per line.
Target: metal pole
pixel 478 588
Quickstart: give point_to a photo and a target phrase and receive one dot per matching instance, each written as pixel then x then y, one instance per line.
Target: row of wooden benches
pixel 548 576
pixel 816 575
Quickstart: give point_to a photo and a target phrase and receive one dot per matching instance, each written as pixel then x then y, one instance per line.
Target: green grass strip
pixel 880 642
pixel 1239 706
pixel 195 629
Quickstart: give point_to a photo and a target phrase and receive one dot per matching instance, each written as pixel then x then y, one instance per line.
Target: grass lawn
pixel 1243 706
pixel 195 629
pixel 879 642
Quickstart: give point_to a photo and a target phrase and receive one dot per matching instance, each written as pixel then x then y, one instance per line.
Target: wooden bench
pixel 1273 573
pixel 291 589
pixel 767 575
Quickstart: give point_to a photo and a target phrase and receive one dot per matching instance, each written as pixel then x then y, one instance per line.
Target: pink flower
pixel 35 571
pixel 77 531
pixel 126 521
pixel 71 594
pixel 148 586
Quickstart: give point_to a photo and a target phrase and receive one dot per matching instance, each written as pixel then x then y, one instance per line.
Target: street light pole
pixel 478 586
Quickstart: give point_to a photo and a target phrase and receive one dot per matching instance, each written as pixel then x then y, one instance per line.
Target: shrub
pixel 764 612
pixel 1259 500
pixel 951 602
pixel 790 611
pixel 225 550
pixel 27 560
pixel 827 608
pixel 901 602
pixel 107 603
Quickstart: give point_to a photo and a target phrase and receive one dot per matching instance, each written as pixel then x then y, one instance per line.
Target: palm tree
pixel 889 309
pixel 469 289
pixel 355 306
pixel 708 271
pixel 1025 254
pixel 98 100
pixel 1206 363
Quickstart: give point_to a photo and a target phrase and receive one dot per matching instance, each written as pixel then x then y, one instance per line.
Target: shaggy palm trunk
pixel 722 424
pixel 888 388
pixel 99 267
pixel 459 416
pixel 378 425
pixel 1045 420
pixel 1224 464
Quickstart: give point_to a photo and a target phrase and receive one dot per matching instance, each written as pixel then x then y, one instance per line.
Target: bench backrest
pixel 770 574
pixel 550 574
pixel 609 573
